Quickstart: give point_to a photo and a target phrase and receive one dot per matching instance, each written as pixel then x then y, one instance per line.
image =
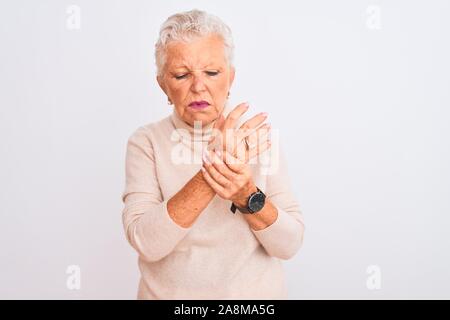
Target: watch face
pixel 256 201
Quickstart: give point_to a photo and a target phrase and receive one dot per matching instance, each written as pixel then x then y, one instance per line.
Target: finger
pixel 216 187
pixel 240 151
pixel 211 139
pixel 259 149
pixel 235 164
pixel 230 140
pixel 235 114
pixel 219 121
pixel 254 122
pixel 213 172
pixel 228 131
pixel 254 135
pixel 217 127
pixel 222 167
pixel 259 135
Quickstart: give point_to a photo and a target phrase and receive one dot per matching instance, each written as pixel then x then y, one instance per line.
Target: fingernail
pixel 219 153
pixel 264 114
pixel 247 104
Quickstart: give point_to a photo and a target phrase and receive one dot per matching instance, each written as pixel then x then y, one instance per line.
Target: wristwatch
pixel 255 202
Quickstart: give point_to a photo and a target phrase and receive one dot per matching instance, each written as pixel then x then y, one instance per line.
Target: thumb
pixel 219 122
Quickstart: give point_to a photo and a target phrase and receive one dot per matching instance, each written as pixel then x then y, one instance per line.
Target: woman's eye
pixel 181 77
pixel 209 73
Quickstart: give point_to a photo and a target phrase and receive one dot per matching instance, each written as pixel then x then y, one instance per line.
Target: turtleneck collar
pixel 188 134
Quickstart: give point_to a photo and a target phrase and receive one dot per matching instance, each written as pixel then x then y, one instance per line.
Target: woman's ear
pixel 232 72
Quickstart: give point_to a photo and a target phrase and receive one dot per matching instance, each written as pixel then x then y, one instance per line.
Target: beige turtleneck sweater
pixel 219 256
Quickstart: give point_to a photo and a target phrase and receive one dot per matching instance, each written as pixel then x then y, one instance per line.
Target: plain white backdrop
pixel 360 90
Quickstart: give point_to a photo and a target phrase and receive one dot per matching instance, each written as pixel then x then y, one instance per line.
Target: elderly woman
pixel 205 218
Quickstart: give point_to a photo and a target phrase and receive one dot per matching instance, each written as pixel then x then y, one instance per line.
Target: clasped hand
pixel 226 158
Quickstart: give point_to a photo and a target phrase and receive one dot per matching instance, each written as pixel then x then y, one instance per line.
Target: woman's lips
pixel 199 105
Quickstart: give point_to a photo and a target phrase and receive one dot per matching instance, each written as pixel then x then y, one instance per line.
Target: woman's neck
pixel 197 132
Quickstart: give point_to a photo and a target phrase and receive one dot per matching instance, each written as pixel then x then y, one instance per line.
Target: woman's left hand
pixel 230 177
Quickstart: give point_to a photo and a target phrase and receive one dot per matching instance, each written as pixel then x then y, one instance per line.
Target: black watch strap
pixel 242 210
pixel 246 209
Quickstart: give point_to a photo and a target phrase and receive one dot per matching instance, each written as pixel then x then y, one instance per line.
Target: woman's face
pixel 197 71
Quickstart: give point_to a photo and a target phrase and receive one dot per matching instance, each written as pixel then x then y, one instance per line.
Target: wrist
pixel 242 200
pixel 201 182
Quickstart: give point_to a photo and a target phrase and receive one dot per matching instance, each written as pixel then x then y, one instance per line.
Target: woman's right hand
pixel 227 137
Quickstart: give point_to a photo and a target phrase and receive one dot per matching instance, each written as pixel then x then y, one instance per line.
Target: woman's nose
pixel 198 83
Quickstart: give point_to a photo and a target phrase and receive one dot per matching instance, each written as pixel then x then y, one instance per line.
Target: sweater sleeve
pixel 284 237
pixel 147 224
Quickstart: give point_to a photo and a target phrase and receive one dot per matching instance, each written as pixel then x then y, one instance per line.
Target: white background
pixel 360 90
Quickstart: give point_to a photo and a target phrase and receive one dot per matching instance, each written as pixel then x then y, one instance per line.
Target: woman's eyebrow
pixel 209 66
pixel 175 69
pixel 180 67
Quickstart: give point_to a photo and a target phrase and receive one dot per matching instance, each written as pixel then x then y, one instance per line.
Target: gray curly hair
pixel 185 26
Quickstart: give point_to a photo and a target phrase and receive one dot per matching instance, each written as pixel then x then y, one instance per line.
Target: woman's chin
pixel 201 115
pixel 204 119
